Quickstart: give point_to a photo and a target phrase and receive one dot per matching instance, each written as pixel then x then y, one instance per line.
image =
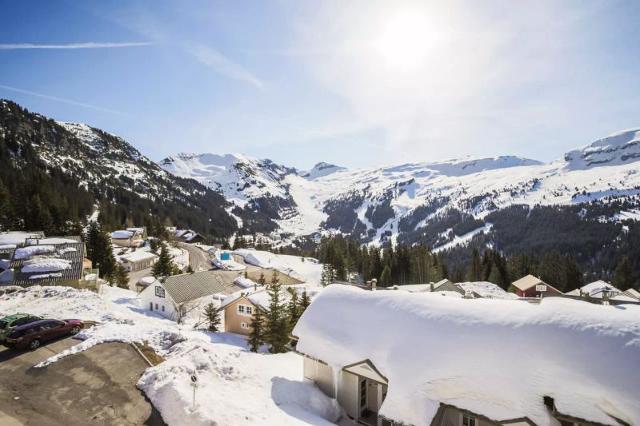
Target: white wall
pixel 162 305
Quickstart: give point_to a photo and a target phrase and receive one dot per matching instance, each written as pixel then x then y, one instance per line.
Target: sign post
pixel 194 385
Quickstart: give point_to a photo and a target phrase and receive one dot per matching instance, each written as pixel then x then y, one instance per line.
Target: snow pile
pixel 305 269
pixel 7 246
pixel 235 388
pixel 497 358
pixel 30 251
pixel 45 264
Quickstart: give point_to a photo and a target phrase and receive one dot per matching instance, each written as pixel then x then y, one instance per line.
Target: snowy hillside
pixel 396 202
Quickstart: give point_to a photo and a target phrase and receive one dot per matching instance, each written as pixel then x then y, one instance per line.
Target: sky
pixel 354 83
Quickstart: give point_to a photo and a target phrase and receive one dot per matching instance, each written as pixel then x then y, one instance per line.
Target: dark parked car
pixel 9 323
pixel 32 335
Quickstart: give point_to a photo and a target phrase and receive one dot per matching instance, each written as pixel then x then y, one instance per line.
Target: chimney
pixel 374 283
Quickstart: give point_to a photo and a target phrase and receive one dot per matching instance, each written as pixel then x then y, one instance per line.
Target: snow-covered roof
pixel 17 237
pixel 45 264
pixel 30 251
pixel 497 358
pixel 487 290
pixel 137 256
pixel 122 235
pixel 633 293
pixel 187 287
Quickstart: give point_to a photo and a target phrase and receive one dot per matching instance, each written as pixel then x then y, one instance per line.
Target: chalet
pixel 469 290
pixel 531 286
pixel 442 361
pixel 602 292
pixel 138 260
pixel 175 296
pixel 130 237
pixel 188 236
pixel 240 307
pixel 52 261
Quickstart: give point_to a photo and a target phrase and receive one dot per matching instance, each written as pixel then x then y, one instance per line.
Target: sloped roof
pixel 398 332
pixel 186 287
pixel 633 293
pixel 525 283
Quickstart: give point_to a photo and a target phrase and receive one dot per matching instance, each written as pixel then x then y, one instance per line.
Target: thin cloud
pixel 62 100
pixel 89 45
pixel 222 65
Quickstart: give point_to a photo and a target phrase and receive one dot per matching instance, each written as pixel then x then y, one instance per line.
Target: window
pixel 162 308
pixel 151 306
pixel 156 306
pixel 244 325
pixel 159 293
pixel 245 310
pixel 468 420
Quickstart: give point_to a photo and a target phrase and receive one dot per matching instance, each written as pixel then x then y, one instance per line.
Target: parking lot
pixel 92 387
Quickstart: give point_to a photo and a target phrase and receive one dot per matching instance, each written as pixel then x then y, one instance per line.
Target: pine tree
pixel 304 302
pixel 623 275
pixel 293 308
pixel 256 335
pixel 164 267
pixel 475 268
pixel 276 322
pixel 99 251
pixel 121 277
pixel 327 276
pixel 212 314
pixel 385 277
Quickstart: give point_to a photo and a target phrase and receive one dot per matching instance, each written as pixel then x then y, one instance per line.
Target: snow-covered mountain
pixel 65 169
pixel 410 202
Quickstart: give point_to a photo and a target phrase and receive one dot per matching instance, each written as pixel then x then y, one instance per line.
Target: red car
pixel 32 335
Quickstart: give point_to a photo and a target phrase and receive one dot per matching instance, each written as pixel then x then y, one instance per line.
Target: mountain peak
pixel 616 149
pixel 322 169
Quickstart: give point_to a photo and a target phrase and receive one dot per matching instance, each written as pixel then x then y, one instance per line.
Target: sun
pixel 404 40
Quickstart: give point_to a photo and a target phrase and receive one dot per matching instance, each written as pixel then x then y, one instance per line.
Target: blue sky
pixel 355 83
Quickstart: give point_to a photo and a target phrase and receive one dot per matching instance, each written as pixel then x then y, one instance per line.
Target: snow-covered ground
pixel 305 269
pixel 236 387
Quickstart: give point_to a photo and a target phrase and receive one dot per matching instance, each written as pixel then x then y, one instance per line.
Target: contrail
pixel 57 99
pixel 89 45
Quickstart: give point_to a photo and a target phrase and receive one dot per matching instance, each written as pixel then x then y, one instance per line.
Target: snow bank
pixel 235 388
pixel 30 251
pixel 305 269
pixel 46 264
pixel 497 358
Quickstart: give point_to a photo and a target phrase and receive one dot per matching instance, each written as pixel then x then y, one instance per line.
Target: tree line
pixel 345 259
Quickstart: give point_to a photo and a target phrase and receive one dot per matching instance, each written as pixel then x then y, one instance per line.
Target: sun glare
pixel 404 40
